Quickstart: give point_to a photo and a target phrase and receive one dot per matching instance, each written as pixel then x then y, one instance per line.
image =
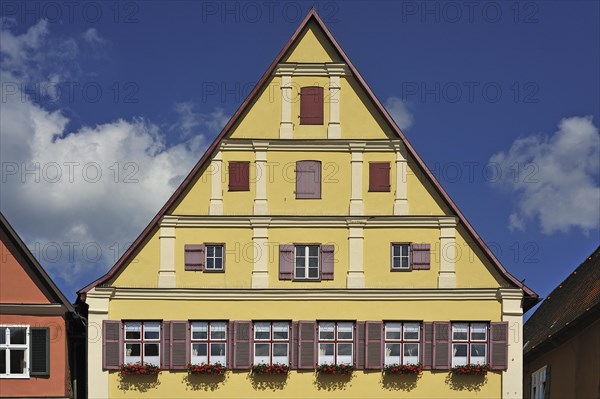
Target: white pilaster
pixel 97 312
pixel 401 198
pixel 334 128
pixel 447 276
pixel 356 236
pixel 356 194
pixel 286 128
pixel 260 235
pixel 512 312
pixel 166 268
pixel 216 192
pixel 260 196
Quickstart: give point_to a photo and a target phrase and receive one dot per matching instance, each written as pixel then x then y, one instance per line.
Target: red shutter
pixel 242 345
pixel 379 176
pixel 441 345
pixel 311 105
pixel 294 346
pixel 180 345
pixel 421 256
pixel 327 261
pixel 308 179
pixel 165 345
pixel 286 262
pixel 427 339
pixel 374 344
pixel 112 344
pixel 239 176
pixel 307 338
pixel 194 256
pixel 359 345
pixel 499 345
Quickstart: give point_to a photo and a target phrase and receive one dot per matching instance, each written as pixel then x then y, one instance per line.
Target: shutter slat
pixel 242 345
pixel 179 345
pixel 311 105
pixel 427 345
pixel 308 179
pixel 327 262
pixel 359 344
pixel 307 339
pixel 194 256
pixel 112 344
pixel 499 346
pixel 379 176
pixel 421 256
pixel 374 345
pixel 239 176
pixel 441 346
pixel 286 262
pixel 165 344
pixel 39 353
pixel 294 344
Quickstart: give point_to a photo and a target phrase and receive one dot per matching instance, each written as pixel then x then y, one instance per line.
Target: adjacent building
pixel 309 233
pixel 562 338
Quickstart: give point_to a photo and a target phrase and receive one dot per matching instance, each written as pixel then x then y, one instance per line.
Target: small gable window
pixel 207 257
pixel 311 105
pixel 214 257
pixel 401 256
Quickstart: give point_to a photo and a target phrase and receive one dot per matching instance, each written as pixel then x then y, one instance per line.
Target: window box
pixel 335 369
pixel 471 369
pixel 216 369
pixel 404 369
pixel 270 369
pixel 139 369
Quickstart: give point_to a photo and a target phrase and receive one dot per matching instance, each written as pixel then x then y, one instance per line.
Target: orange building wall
pixel 15 284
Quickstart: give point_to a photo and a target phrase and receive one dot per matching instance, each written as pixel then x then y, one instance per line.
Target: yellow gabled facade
pixel 448 278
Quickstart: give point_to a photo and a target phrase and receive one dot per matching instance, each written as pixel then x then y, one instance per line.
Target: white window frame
pixel 336 341
pixel 7 346
pixel 402 341
pixel 209 341
pixel 469 342
pixel 214 257
pixel 400 257
pixel 271 341
pixel 142 341
pixel 538 383
pixel 307 257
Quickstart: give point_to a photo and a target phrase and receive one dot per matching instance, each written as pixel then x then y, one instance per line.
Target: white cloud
pixel 554 178
pixel 93 37
pixel 399 112
pixel 191 121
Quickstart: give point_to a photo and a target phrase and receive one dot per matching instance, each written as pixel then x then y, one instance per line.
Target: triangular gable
pixel 32 276
pixel 312 19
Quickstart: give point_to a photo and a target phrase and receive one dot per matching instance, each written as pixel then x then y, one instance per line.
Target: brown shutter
pixel 286 262
pixel 311 105
pixel 194 256
pixel 374 344
pixel 242 345
pixel 379 176
pixel 308 179
pixel 239 176
pixel 359 345
pixel 327 262
pixel 112 344
pixel 427 339
pixel 230 344
pixel 499 346
pixel 165 345
pixel 39 352
pixel 441 345
pixel 307 338
pixel 180 345
pixel 420 256
pixel 294 346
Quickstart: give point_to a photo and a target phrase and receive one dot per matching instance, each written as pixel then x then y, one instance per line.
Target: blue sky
pixel 501 99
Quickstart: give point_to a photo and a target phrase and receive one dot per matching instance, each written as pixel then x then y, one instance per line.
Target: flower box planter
pixel 274 369
pixel 139 369
pixel 403 369
pixel 471 369
pixel 335 369
pixel 216 369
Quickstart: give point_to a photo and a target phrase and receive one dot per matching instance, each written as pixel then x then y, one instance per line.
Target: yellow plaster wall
pixel 423 199
pixel 473 270
pixel 142 270
pixel 197 198
pixel 312 46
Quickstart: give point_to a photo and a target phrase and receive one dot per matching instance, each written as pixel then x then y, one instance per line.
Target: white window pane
pixel 313 272
pixel 393 330
pixel 392 353
pixel 152 330
pixel 219 251
pixel 280 353
pixel 396 249
pixel 345 330
pixel 411 331
pixel 459 354
pixel 326 330
pixel 262 330
pixel 478 353
pixel 133 353
pixel 313 251
pixel 217 351
pixel 397 263
pixel 300 272
pixel 154 360
pixel 344 355
pixel 199 330
pixel 411 353
pixel 479 332
pixel 199 353
pixel 17 361
pixel 18 336
pixel 2 361
pixel 133 330
pixel 281 331
pixel 218 330
pixel 261 353
pixel 326 353
pixel 460 331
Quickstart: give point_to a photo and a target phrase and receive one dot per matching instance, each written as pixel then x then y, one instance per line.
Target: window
pixel 14 351
pixel 538 383
pixel 214 257
pixel 142 342
pixel 400 256
pixel 311 105
pixel 271 343
pixel 307 262
pixel 379 176
pixel 336 342
pixel 402 343
pixel 209 342
pixel 239 176
pixel 308 180
pixel 469 343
